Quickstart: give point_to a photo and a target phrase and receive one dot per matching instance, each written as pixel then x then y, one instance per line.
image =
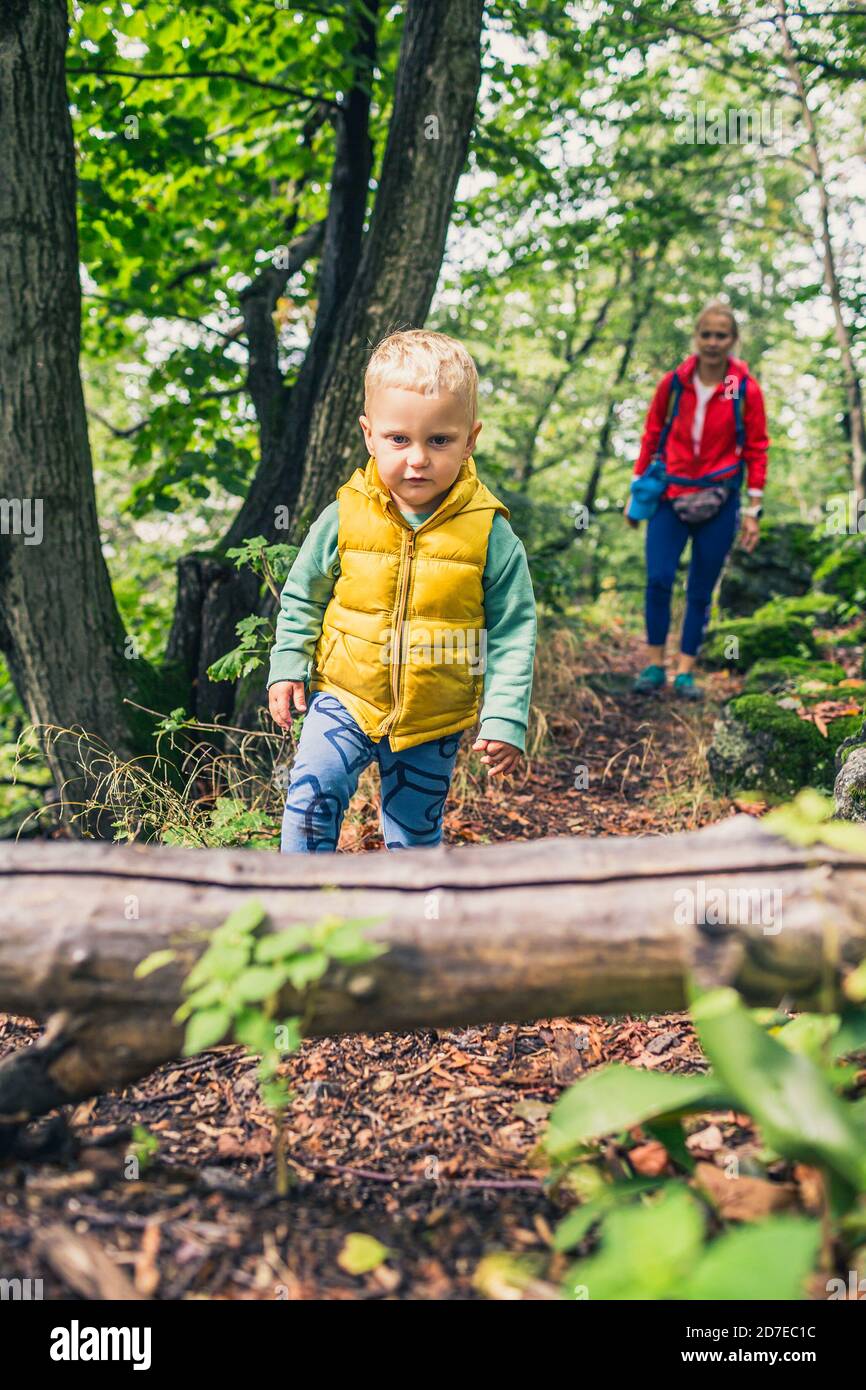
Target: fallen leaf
pixel 743 1199
pixel 361 1254
pixel 649 1159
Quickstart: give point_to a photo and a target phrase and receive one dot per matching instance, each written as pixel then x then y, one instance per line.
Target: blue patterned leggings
pixel 333 752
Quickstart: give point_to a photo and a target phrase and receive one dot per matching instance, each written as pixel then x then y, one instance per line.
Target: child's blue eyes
pixel 439 439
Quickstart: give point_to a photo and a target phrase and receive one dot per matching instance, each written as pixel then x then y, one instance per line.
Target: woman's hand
pixel 281 696
pixel 502 757
pixel 750 533
pixel 633 524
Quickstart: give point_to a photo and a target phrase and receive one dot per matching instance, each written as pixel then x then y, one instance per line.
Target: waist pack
pixel 692 507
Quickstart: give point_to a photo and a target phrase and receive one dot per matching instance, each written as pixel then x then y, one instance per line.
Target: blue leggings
pixel 333 752
pixel 666 537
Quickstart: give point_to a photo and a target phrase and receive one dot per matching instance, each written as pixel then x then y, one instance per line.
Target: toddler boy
pixel 411 603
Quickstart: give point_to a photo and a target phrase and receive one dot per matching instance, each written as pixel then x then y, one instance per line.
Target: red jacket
pixel 719 438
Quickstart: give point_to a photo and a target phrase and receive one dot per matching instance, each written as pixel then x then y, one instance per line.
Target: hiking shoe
pixel 684 686
pixel 651 679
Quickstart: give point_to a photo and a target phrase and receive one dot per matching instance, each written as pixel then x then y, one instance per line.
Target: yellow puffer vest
pixel 403 638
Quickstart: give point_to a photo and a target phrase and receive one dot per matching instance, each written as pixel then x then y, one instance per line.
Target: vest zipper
pixel 396 669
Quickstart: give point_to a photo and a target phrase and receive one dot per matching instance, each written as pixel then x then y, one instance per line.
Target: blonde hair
pixel 419 360
pixel 718 306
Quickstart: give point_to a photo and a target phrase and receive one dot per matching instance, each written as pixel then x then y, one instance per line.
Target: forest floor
pixel 424 1140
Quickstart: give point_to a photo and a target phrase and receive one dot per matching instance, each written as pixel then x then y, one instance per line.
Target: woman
pixel 717 427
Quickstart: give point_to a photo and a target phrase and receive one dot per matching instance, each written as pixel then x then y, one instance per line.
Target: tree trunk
pixel 505 932
pixel 60 628
pixel 641 308
pixel 572 355
pixel 369 287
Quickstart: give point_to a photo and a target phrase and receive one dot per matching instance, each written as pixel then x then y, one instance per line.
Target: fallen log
pixel 505 932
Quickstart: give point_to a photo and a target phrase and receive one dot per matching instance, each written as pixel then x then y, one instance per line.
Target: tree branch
pixel 233 76
pixel 142 424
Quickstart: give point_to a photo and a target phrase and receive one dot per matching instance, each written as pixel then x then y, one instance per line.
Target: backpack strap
pixel 739 422
pixel 734 478
pixel 674 395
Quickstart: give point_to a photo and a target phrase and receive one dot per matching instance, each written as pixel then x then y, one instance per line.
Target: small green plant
pixel 255 633
pixel 143 1147
pixel 789 1074
pixel 233 992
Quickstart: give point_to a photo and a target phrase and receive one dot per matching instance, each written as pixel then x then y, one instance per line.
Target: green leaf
pixel 153 962
pixel 851 1036
pixel 219 962
pixel 618 1097
pixel 275 1094
pixel 282 943
pixel 808 1034
pixel 348 945
pixel 303 970
pixel 258 982
pixel 206 1029
pixel 254 1030
pixel 572 1229
pixel 798 1113
pixel 213 992
pixel 646 1250
pixel 767 1261
pixel 244 919
pixel 361 1253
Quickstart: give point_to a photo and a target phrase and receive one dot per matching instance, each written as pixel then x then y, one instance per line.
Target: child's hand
pixel 502 757
pixel 281 695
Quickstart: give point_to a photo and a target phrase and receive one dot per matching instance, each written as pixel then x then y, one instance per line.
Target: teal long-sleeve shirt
pixel 509 615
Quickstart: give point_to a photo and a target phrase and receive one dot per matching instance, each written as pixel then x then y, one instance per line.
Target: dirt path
pixel 422 1140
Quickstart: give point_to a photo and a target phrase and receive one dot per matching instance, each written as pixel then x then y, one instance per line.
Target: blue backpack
pixel 646 491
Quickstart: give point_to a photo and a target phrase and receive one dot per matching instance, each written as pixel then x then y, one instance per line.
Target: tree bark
pixel 60 629
pixel 369 284
pixel 641 309
pixel 507 932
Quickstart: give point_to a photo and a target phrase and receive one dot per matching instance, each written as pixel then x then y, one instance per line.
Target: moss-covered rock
pixel 850 787
pixel 843 571
pixel 756 743
pixel 822 610
pixel 790 673
pixel 782 564
pixel 740 642
pixel 854 637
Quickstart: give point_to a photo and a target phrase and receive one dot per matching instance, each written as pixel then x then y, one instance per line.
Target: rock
pixel 850 787
pixel 740 642
pixel 758 745
pixel 843 571
pixel 821 610
pixel 790 672
pixel 782 564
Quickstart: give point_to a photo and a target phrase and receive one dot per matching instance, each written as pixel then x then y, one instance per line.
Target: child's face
pixel 419 443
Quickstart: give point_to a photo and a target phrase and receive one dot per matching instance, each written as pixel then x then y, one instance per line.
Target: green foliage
pixel 143 1147
pixel 760 745
pixel 231 822
pixel 740 642
pixel 654 1241
pixel 784 1090
pixel 789 672
pixel 843 572
pixel 808 820
pixel 233 990
pixel 272 563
